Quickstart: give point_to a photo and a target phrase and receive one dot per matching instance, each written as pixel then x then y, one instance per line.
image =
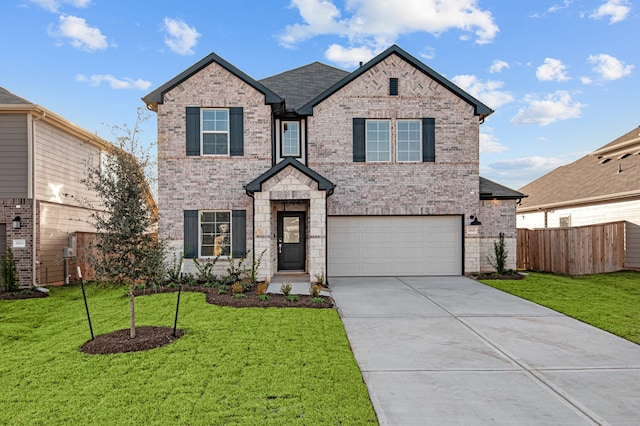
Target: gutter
pixel 581 201
pixel 34 198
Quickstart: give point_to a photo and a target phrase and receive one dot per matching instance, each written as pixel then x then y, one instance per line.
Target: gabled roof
pixel 479 108
pixel 609 173
pixel 490 190
pixel 300 85
pixel 157 96
pixel 8 98
pixel 256 184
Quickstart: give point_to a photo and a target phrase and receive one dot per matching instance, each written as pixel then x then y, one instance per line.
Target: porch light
pixel 475 220
pixel 17 222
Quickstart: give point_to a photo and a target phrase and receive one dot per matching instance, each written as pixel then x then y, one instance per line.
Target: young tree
pixel 125 250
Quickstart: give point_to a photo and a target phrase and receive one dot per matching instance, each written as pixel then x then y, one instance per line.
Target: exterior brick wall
pixel 497 216
pixel 23 207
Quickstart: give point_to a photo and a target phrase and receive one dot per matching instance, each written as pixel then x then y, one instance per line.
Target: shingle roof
pixel 300 85
pixel 255 185
pixel 610 172
pixel 490 190
pixel 8 98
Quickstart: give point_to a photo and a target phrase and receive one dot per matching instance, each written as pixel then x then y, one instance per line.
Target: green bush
pixel 9 272
pixel 499 258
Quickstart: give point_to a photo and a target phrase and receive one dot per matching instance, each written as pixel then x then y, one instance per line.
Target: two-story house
pixel 43 203
pixel 328 172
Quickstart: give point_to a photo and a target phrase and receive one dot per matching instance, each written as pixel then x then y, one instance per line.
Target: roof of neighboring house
pixel 479 108
pixel 611 172
pixel 490 190
pixel 8 98
pixel 157 96
pixel 300 85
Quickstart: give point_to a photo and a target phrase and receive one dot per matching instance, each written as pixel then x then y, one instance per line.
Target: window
pixel 409 140
pixel 378 140
pixel 393 86
pixel 215 233
pixel 215 132
pixel 565 221
pixel 290 139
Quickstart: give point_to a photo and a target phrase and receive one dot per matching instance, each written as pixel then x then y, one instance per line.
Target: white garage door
pixel 394 245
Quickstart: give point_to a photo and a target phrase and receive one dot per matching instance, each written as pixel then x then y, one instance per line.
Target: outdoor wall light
pixel 474 220
pixel 17 222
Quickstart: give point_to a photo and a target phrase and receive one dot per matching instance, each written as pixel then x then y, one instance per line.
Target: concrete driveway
pixel 452 351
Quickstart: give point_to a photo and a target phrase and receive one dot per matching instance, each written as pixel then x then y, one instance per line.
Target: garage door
pixel 394 245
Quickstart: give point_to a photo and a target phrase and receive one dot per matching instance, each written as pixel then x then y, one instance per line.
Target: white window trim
pixel 200 256
pixel 419 160
pixel 366 141
pixel 227 132
pixel 299 153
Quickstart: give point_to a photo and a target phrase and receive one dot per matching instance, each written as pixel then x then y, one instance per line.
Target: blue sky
pixel 562 75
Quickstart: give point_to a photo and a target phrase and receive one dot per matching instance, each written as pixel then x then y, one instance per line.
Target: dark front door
pixel 291 241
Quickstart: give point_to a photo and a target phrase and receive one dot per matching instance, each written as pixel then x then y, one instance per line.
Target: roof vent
pixel 606 160
pixel 393 86
pixel 628 154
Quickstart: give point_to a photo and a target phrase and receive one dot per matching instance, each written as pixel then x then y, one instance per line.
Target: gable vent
pixel 393 86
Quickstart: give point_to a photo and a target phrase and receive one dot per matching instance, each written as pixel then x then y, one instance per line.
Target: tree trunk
pixel 132 312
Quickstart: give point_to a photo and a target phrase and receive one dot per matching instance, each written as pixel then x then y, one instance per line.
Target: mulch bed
pixel 148 337
pixel 22 294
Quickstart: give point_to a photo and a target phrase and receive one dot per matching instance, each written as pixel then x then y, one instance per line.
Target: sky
pixel 563 76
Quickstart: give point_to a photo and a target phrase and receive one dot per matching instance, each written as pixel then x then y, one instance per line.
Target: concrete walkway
pixel 452 351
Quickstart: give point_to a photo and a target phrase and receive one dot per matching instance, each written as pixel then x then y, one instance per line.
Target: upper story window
pixel 290 139
pixel 215 132
pixel 378 140
pixel 409 140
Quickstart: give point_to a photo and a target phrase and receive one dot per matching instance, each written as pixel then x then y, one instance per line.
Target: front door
pixel 291 241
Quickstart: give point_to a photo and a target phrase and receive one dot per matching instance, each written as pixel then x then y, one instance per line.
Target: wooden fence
pixel 579 250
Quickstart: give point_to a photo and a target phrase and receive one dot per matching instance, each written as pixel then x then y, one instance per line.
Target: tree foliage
pixel 499 258
pixel 126 249
pixel 9 272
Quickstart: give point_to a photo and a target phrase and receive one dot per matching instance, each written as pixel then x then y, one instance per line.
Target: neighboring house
pixel 43 158
pixel 326 172
pixel 601 187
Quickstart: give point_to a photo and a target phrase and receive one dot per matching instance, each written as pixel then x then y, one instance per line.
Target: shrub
pixel 205 270
pixel 223 289
pixel 320 278
pixel 318 300
pixel 9 272
pixel 236 288
pixel 255 265
pixel 263 297
pixel 292 298
pixel 314 290
pixel 262 289
pixel 499 258
pixel 285 288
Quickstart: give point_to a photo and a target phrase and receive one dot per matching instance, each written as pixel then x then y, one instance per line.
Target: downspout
pixel 33 199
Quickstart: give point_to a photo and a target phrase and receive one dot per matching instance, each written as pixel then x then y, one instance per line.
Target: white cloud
pixel 608 67
pixel 82 36
pixel 182 38
pixel 616 10
pixel 486 92
pixel 489 143
pixel 377 24
pixel 497 66
pixel 557 7
pixel 554 107
pixel 586 80
pixel 517 172
pixel 54 5
pixel 115 83
pixel 552 70
pixel 349 57
pixel 428 53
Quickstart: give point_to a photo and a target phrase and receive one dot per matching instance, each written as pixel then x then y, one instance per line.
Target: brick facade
pixel 22 207
pixel 448 186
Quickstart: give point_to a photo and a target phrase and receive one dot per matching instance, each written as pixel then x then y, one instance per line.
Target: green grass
pixel 607 301
pixel 245 366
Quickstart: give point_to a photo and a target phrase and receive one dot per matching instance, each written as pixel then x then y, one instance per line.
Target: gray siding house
pixel 42 161
pixel 328 172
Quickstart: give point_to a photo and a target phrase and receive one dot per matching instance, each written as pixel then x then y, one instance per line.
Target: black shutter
pixel 429 140
pixel 236 129
pixel 239 232
pixel 193 131
pixel 191 234
pixel 393 86
pixel 359 153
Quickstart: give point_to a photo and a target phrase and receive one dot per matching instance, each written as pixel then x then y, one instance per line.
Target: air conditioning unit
pixel 68 252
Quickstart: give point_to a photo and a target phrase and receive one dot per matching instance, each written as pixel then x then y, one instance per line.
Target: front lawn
pixel 607 301
pixel 266 366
